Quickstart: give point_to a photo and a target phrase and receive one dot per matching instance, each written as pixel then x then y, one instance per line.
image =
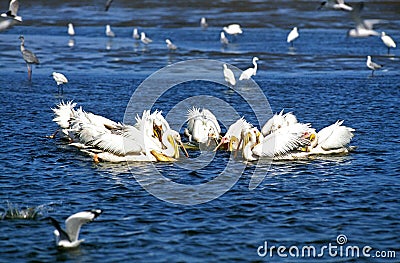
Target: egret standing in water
pixel 250 71
pixel 388 41
pixel 12 11
pixel 229 76
pixel 292 36
pixel 29 57
pixel 60 79
pixel 372 65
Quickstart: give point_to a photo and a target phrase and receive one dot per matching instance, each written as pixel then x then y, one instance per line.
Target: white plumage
pixel 229 76
pixel 388 41
pixel 12 11
pixel 145 40
pixel 109 32
pixel 233 29
pixel 202 125
pixel 292 35
pixel 372 65
pixel 71 30
pixel 248 73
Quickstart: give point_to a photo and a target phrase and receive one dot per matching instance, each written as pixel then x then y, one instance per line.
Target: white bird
pixel 223 39
pixel 292 36
pixel 170 45
pixel 203 22
pixel 68 238
pixel 7 23
pixel 278 121
pixel 202 125
pixel 145 40
pixel 336 5
pixel 12 11
pixel 71 30
pixel 28 56
pixel 109 32
pixel 233 29
pixel 388 41
pixel 372 65
pixel 135 34
pixel 229 76
pixel 364 27
pixel 248 73
pixel 233 135
pixel 60 79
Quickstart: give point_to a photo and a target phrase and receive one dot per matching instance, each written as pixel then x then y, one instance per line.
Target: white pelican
pixel 108 4
pixel 229 76
pixel 203 22
pixel 145 40
pixel 278 121
pixel 29 57
pixel 330 140
pixel 233 135
pixel 223 39
pixel 12 11
pixel 364 27
pixel 135 34
pixel 60 79
pixel 202 125
pixel 250 71
pixel 292 36
pixel 388 41
pixel 170 45
pixel 109 32
pixel 372 65
pixel 68 238
pixel 336 5
pixel 233 29
pixel 71 30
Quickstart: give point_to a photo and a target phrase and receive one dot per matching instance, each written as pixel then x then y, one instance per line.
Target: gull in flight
pixel 68 238
pixel 145 40
pixel 109 32
pixel 336 5
pixel 292 36
pixel 388 41
pixel 233 29
pixel 29 57
pixel 170 45
pixel 223 39
pixel 364 27
pixel 372 65
pixel 250 71
pixel 203 22
pixel 229 76
pixel 12 11
pixel 60 79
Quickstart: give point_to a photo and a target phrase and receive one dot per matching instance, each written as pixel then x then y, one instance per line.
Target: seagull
pixel 388 41
pixel 29 57
pixel 229 76
pixel 135 34
pixel 68 238
pixel 250 71
pixel 108 3
pixel 170 45
pixel 145 40
pixel 60 79
pixel 71 30
pixel 364 27
pixel 203 22
pixel 233 29
pixel 372 65
pixel 292 36
pixel 223 39
pixel 109 32
pixel 336 5
pixel 12 11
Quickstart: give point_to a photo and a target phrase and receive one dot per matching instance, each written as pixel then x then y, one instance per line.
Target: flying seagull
pixel 68 238
pixel 12 11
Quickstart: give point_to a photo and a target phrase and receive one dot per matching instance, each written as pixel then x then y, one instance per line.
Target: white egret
pixel 336 5
pixel 294 33
pixel 223 39
pixel 71 30
pixel 233 29
pixel 364 27
pixel 60 80
pixel 170 45
pixel 388 41
pixel 203 22
pixel 145 40
pixel 372 65
pixel 68 238
pixel 202 125
pixel 29 57
pixel 229 76
pixel 250 71
pixel 109 32
pixel 12 11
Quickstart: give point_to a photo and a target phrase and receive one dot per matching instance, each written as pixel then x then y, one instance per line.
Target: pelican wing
pixel 63 113
pixel 335 136
pixel 278 144
pixel 74 222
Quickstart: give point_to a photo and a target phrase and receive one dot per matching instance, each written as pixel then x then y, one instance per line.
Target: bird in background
pixel 248 73
pixel 372 65
pixel 292 36
pixel 135 34
pixel 108 4
pixel 364 27
pixel 109 32
pixel 71 30
pixel 233 29
pixel 68 238
pixel 170 45
pixel 60 80
pixel 223 39
pixel 229 76
pixel 336 5
pixel 145 40
pixel 12 11
pixel 388 41
pixel 203 22
pixel 29 57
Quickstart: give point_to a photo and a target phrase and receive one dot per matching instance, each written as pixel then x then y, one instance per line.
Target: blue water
pixel 298 203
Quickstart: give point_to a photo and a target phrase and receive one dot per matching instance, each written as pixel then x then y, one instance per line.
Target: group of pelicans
pixel 151 138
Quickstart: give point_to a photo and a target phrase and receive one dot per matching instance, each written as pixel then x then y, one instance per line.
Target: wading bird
pixel 229 76
pixel 145 40
pixel 292 36
pixel 388 41
pixel 248 73
pixel 29 57
pixel 372 65
pixel 60 80
pixel 170 45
